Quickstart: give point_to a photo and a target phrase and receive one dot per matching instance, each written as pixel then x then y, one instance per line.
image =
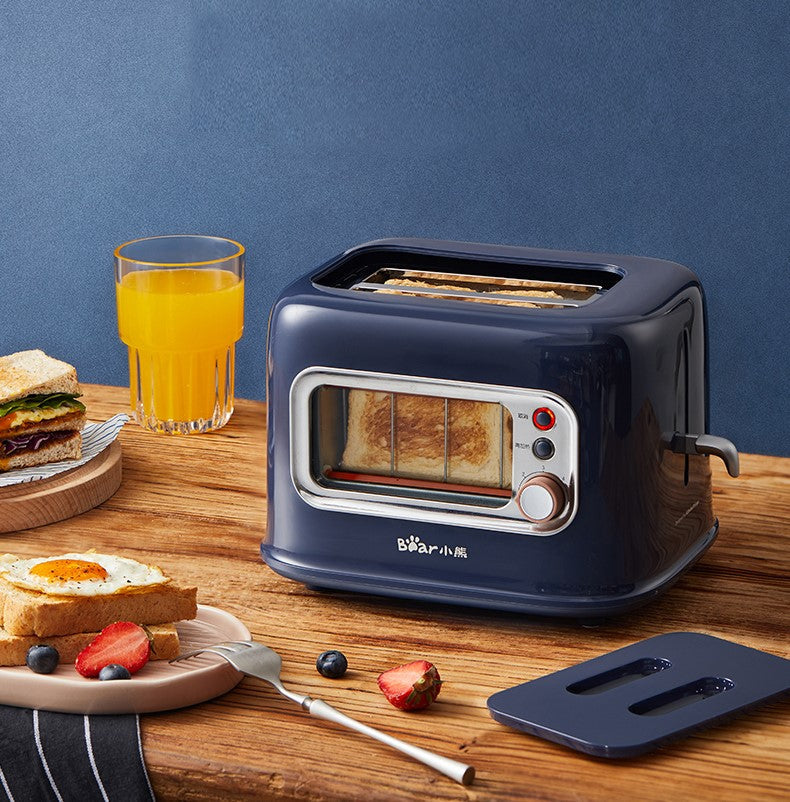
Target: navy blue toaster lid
pixel 619 285
pixel 632 700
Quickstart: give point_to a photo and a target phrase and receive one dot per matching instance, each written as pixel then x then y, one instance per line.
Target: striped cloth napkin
pixel 71 758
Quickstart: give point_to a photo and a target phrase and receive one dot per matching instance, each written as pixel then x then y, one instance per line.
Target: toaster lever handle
pixel 708 444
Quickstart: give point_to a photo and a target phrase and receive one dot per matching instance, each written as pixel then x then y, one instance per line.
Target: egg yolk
pixel 68 570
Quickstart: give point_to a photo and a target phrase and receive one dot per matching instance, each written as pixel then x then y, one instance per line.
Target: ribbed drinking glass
pixel 180 313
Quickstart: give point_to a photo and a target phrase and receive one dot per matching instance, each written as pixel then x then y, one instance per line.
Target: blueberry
pixel 332 664
pixel 114 671
pixel 42 659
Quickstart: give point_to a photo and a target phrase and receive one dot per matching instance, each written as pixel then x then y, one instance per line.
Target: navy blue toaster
pixel 494 426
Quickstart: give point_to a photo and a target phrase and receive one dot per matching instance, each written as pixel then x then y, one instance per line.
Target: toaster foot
pixel 593 623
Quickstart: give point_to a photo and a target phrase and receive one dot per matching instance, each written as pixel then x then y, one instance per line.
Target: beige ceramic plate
pixel 159 685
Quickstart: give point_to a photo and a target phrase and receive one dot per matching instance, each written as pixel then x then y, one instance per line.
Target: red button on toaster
pixel 543 418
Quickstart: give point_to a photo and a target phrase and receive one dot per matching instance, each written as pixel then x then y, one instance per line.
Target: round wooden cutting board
pixel 30 504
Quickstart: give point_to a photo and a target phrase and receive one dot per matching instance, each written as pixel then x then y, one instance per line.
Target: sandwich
pixel 40 416
pixel 64 601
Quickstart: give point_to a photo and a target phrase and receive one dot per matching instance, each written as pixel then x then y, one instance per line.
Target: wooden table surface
pixel 197 507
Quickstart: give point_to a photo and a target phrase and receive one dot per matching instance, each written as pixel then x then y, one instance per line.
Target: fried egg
pixel 86 574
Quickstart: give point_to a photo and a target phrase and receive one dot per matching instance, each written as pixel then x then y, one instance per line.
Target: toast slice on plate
pixel 13 648
pixel 28 612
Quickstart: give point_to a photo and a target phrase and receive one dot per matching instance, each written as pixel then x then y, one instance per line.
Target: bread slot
pixel 526 292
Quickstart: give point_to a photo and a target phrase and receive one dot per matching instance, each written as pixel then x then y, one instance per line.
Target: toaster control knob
pixel 541 498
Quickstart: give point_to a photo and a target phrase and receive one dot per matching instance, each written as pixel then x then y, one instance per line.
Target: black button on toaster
pixel 543 448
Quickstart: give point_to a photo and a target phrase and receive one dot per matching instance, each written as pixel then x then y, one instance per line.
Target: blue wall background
pixel 302 127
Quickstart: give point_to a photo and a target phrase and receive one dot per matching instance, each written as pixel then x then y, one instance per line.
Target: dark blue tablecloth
pixel 61 756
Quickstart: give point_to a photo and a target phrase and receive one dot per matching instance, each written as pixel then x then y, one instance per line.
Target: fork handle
pixel 457 771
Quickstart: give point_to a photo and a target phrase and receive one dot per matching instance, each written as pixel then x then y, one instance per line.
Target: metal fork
pixel 257 660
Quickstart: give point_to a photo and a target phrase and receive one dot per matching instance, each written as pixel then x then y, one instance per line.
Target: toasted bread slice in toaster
pixel 483 291
pixel 473 446
pixel 479 451
pixel 369 432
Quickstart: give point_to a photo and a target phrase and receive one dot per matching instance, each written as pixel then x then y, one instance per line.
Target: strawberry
pixel 123 643
pixel 412 686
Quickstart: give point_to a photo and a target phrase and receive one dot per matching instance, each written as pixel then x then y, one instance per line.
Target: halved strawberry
pixel 123 642
pixel 412 686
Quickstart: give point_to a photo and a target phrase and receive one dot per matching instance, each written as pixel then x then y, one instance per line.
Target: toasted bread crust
pixel 33 372
pixel 13 648
pixel 27 612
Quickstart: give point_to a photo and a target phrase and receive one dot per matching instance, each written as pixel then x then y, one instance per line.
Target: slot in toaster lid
pixel 397 270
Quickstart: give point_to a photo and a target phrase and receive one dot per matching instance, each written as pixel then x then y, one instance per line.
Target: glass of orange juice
pixel 180 312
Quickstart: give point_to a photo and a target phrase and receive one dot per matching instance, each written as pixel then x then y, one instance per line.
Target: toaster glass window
pixel 405 444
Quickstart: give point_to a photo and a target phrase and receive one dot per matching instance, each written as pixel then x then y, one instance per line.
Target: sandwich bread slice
pixel 40 416
pixel 13 648
pixel 27 612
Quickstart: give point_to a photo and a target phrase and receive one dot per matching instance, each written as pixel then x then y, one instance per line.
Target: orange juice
pixel 181 326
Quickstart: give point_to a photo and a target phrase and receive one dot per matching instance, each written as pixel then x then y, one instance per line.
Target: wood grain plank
pixel 197 507
pixel 61 496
